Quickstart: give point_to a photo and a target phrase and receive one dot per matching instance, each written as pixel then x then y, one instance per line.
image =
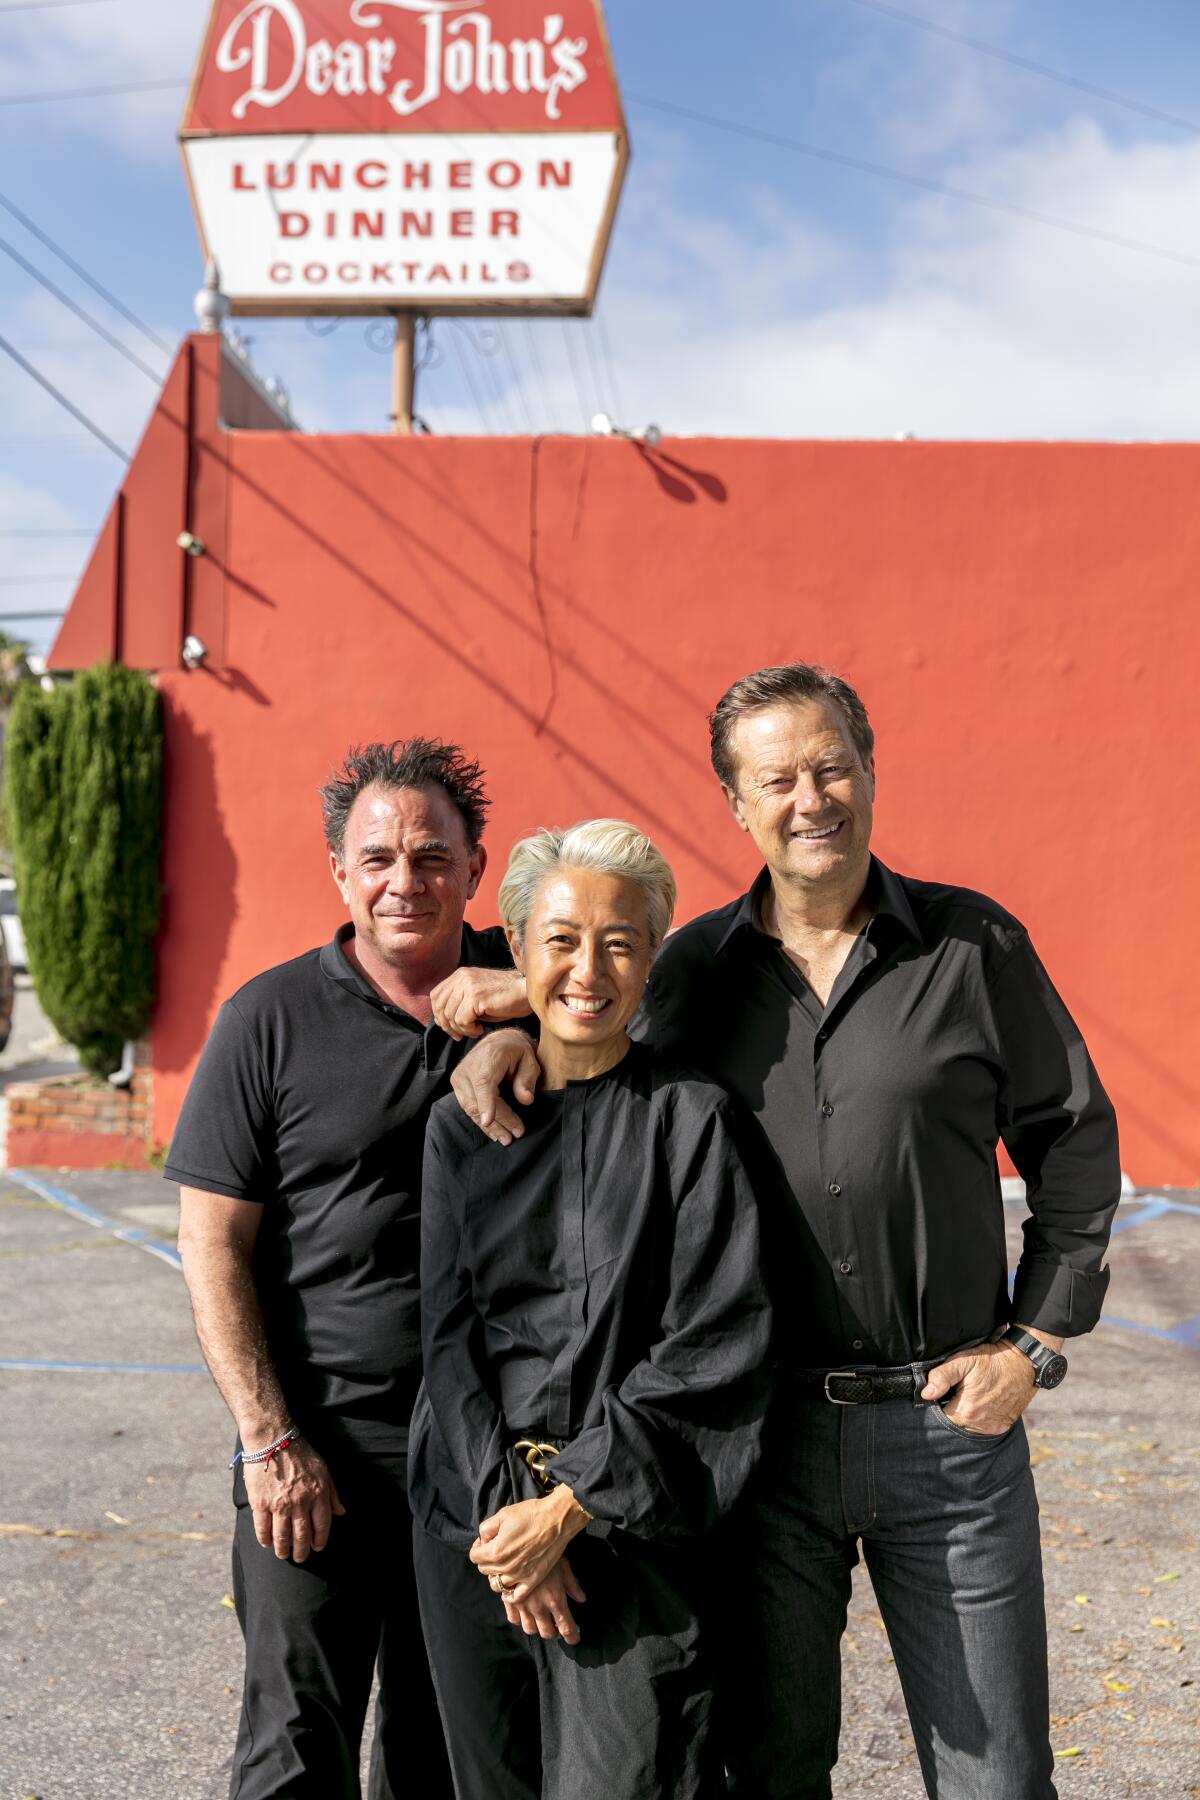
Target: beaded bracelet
pixel 264 1456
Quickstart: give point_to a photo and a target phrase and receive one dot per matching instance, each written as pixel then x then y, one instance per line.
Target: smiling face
pixel 586 955
pixel 803 793
pixel 406 873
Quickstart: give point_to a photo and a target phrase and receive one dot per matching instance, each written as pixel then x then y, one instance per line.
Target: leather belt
pixel 864 1387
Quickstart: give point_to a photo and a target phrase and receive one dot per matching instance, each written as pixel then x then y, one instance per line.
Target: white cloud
pixel 983 325
pixel 925 96
pixel 94 46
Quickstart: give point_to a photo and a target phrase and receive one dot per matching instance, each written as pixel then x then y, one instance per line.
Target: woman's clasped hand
pixel 521 1551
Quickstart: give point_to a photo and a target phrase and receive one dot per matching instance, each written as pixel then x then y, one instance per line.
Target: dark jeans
pixel 314 1632
pixel 626 1714
pixel 948 1523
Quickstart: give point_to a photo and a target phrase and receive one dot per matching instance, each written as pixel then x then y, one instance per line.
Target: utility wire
pixel 93 93
pixel 56 393
pixel 1027 62
pixel 110 299
pixel 487 361
pixel 588 329
pixel 56 531
pixel 8 618
pixel 535 357
pixel 883 170
pixel 570 342
pixel 47 5
pixel 611 365
pixel 516 375
pixel 468 377
pixel 66 300
pixel 33 580
pixel 918 181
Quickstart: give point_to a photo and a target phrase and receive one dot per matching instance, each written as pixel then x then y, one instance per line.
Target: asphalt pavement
pixel 120 1651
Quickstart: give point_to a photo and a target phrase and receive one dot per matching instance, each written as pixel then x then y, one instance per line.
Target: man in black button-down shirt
pixel 886 1033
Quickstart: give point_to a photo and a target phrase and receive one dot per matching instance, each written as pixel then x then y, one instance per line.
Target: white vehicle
pixel 10 923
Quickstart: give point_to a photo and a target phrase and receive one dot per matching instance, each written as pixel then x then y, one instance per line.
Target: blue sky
pixel 750 291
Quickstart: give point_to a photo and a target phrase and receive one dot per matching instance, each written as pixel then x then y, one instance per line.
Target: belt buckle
pixel 536 1456
pixel 841 1375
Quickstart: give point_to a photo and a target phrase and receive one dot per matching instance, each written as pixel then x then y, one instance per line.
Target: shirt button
pixel 827 1110
pixel 845 1268
pixel 835 1188
pixel 858 1344
pixel 822 1035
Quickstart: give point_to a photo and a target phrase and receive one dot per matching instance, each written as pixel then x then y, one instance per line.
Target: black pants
pixel 314 1632
pixel 623 1715
pixel 948 1523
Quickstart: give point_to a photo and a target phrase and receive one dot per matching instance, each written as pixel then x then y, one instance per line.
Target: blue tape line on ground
pixel 1146 1210
pixel 102 1368
pixel 79 1209
pixel 1187 1333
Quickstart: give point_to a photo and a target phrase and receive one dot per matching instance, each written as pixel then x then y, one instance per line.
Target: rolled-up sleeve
pixel 1058 1125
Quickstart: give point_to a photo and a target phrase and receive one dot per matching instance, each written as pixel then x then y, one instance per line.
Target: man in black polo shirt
pixel 299 1154
pixel 885 1033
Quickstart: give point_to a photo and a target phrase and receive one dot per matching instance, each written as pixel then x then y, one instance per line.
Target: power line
pixel 11 617
pixel 92 93
pixel 588 330
pixel 610 362
pixel 49 445
pixel 76 268
pixel 535 357
pixel 47 5
pixel 56 393
pixel 516 375
pixel 30 580
pixel 1027 62
pixel 101 331
pixel 488 359
pixel 469 378
pixel 883 170
pixel 918 181
pixel 570 342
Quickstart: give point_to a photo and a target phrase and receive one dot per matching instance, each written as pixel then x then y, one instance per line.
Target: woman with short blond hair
pixel 595 1339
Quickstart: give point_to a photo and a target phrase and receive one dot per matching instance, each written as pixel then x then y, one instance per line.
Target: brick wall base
pixel 79 1122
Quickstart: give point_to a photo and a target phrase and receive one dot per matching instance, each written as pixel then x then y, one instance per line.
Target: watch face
pixel 1052 1371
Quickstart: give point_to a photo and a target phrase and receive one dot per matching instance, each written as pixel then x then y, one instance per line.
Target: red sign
pixel 403 65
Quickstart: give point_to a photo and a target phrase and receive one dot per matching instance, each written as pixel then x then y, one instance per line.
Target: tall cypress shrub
pixel 83 779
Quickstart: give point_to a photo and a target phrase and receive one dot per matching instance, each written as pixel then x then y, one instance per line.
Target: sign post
pixel 406 156
pixel 403 380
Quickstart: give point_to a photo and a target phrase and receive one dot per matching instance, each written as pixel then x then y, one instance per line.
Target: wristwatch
pixel 1049 1366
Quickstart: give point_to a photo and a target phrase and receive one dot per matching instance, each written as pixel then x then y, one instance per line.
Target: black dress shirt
pixel 597 1284
pixel 880 1115
pixel 311 1099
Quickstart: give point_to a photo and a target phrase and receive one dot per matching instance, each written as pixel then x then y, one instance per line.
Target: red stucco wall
pixel 1019 618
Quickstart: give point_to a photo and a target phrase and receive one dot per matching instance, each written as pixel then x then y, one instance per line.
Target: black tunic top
pixel 311 1099
pixel 596 1284
pixel 880 1115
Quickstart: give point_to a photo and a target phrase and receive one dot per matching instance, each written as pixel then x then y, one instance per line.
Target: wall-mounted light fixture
pixel 603 426
pixel 195 546
pixel 194 651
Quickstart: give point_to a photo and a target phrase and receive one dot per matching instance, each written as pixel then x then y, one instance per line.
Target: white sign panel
pixel 409 220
